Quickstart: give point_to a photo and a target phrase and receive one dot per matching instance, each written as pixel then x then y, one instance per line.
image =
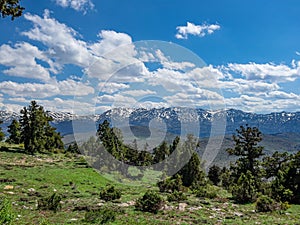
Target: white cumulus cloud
pixel 267 72
pixel 78 5
pixel 196 30
pixel 21 58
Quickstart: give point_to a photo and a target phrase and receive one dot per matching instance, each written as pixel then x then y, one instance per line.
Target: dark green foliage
pixel 175 144
pixel 149 202
pixel 53 139
pixel 272 164
pixel 265 204
pixel 111 139
pixel 15 132
pixel 284 171
pixel 161 152
pixel 110 193
pixel 6 214
pixel 52 202
pixel 244 191
pixel 144 158
pixel 73 148
pixel 247 148
pixel 11 8
pixel 1 132
pixel 225 177
pixel 279 188
pixel 101 216
pixel 206 192
pixel 214 174
pixel 192 174
pixel 36 132
pixel 245 174
pixel 171 184
pixel 177 196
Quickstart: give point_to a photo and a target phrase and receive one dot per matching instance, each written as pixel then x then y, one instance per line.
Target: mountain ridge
pixel 269 123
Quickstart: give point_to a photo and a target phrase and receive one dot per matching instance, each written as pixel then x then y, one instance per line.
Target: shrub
pixel 171 184
pixel 206 192
pixel 110 193
pixel 266 204
pixel 101 216
pixel 285 206
pixel 177 196
pixel 6 214
pixel 51 202
pixel 150 202
pixel 245 191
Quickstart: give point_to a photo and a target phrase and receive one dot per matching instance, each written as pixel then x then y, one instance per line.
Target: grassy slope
pixel 80 186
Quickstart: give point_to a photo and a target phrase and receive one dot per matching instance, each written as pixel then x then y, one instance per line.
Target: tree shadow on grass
pixel 12 149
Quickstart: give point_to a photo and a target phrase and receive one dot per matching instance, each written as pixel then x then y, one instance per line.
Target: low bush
pixel 206 191
pixel 52 202
pixel 149 202
pixel 101 216
pixel 171 184
pixel 177 196
pixel 265 204
pixel 110 193
pixel 245 191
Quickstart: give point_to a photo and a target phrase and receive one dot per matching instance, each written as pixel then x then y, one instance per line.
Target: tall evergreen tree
pixel 15 132
pixel 247 168
pixel 36 132
pixel 192 173
pixel 214 174
pixel 2 135
pixel 161 152
pixel 247 149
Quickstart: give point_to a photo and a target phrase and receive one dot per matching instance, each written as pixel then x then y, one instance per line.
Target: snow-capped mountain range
pixel 174 118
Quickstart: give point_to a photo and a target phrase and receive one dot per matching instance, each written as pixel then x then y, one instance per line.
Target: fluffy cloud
pixel 196 30
pixel 78 5
pixel 137 93
pixel 283 95
pixel 123 73
pixel 267 72
pixel 36 90
pixel 168 64
pixel 109 40
pixel 22 61
pixel 61 40
pixel 111 87
pixel 69 105
pixel 116 100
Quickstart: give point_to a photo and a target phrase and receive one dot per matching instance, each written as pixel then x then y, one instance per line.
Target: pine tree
pixel 73 148
pixel 161 152
pixel 214 174
pixel 15 132
pixel 244 191
pixel 36 132
pixel 192 173
pixel 247 149
pixel 2 135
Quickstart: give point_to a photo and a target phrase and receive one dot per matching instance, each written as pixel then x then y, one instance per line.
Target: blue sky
pixel 87 55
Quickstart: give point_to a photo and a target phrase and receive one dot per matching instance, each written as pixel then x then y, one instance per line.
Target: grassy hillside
pixel 25 179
